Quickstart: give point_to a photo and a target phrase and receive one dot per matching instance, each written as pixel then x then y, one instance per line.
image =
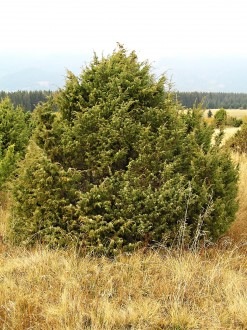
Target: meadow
pixel 238 113
pixel 108 180
pixel 228 130
pixel 152 289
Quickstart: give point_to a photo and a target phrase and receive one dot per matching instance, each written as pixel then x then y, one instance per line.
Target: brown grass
pixel 238 113
pixel 228 133
pixel 44 289
pixel 238 231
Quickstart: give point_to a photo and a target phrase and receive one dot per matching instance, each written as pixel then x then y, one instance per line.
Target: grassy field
pixel 228 132
pixel 166 289
pixel 238 113
pixel 43 289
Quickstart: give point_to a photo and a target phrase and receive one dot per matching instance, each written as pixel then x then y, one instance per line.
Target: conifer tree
pixel 14 135
pixel 220 117
pixel 139 167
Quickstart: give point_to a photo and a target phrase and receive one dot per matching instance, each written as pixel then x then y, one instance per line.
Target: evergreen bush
pixel 14 136
pixel 119 167
pixel 233 121
pixel 220 117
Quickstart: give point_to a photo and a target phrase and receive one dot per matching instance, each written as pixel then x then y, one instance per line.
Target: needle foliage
pixel 14 136
pixel 115 165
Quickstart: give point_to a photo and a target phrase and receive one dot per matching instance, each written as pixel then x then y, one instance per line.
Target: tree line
pixel 28 100
pixel 213 100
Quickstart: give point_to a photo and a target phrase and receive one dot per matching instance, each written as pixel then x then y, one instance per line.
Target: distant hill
pixel 31 79
pixel 215 74
pixel 27 72
pixel 206 74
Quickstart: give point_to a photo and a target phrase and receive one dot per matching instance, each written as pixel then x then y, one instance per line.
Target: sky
pixel 155 29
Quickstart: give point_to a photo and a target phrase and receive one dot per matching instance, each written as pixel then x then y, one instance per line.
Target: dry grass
pixel 238 113
pixel 57 290
pixel 238 231
pixel 228 133
pixel 42 289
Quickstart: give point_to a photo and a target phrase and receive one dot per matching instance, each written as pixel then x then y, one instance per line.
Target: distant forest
pixel 29 99
pixel 213 100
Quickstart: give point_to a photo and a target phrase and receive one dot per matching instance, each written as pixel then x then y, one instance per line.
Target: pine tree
pixel 210 113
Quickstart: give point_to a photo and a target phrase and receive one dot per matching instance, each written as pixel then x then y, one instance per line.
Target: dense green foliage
pixel 220 117
pixel 114 165
pixel 28 100
pixel 14 136
pixel 213 100
pixel 47 200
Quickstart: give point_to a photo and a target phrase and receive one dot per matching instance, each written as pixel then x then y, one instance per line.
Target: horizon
pixel 187 74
